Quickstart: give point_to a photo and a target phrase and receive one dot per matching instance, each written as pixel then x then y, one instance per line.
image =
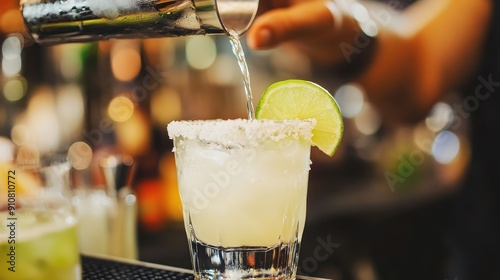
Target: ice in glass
pixel 243 186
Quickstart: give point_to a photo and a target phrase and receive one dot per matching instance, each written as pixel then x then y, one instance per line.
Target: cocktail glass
pixel 243 187
pixel 38 237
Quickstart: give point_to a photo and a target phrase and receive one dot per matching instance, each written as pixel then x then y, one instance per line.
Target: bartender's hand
pixel 304 24
pixel 418 56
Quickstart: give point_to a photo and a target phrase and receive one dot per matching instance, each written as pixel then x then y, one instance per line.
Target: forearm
pixel 419 59
pixel 390 80
pixel 419 54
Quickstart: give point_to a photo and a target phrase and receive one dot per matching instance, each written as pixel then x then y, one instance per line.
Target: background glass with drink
pixel 38 237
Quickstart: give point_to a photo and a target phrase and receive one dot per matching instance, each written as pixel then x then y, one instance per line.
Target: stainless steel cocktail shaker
pixel 63 21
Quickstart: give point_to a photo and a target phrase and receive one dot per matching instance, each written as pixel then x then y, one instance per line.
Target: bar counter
pixel 100 268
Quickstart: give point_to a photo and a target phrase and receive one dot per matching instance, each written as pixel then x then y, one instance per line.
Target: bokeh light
pixel 70 63
pixel 351 99
pixel 43 129
pixel 11 56
pixel 70 110
pixel 367 24
pixel 125 61
pixel 12 47
pixel 11 67
pixel 19 134
pixel 133 136
pixel 10 17
pixel 200 52
pixel 165 106
pixel 445 147
pixel 6 149
pixel 224 71
pixel 120 109
pixel 15 89
pixel 440 116
pixel 368 120
pixel 80 155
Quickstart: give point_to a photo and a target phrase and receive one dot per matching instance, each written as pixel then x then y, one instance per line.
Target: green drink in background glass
pixel 45 247
pixel 38 234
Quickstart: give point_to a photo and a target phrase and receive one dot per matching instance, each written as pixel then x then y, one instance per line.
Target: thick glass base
pixel 276 262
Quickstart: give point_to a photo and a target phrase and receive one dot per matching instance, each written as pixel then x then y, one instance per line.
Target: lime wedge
pixel 299 99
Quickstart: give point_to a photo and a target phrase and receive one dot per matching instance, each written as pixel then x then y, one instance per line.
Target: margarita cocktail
pixel 243 186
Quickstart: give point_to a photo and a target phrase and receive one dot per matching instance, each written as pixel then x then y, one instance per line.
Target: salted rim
pixel 240 130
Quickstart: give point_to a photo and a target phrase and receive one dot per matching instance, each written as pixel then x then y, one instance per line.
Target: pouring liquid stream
pixel 234 38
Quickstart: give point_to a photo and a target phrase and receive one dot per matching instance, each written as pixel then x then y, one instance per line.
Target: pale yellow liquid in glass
pixel 235 198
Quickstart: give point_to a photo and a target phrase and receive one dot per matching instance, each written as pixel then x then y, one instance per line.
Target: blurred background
pixel 377 209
